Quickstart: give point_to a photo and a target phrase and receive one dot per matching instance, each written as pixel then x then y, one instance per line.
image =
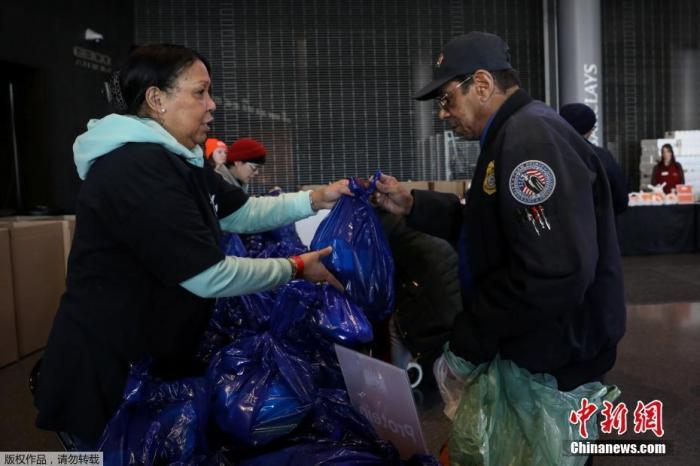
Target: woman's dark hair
pixel 149 65
pixel 673 156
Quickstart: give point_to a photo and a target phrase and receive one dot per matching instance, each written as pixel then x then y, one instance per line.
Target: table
pixel 668 229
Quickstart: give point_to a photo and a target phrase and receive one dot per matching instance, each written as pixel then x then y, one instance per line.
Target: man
pixel 539 260
pixel 583 119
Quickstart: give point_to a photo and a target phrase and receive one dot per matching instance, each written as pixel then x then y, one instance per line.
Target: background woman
pixel 667 170
pixel 246 157
pixel 216 153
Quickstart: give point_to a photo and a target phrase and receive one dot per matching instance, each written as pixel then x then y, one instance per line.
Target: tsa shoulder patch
pixel 532 182
pixel 490 179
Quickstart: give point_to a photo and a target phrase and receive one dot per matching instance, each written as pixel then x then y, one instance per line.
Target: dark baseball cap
pixel 465 54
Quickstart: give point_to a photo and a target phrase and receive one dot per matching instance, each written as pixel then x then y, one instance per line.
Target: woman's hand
pixel 325 197
pixel 315 271
pixel 393 196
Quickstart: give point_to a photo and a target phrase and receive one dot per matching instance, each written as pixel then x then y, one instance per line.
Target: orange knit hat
pixel 211 144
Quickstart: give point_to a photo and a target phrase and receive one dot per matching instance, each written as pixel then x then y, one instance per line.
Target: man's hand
pixel 392 196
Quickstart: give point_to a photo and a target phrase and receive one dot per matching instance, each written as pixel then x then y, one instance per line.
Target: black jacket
pixel 548 282
pixel 427 288
pixel 618 185
pixel 146 221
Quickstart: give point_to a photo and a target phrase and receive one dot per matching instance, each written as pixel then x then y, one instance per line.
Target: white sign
pixel 382 393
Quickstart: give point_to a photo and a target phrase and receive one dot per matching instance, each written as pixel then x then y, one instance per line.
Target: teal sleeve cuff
pixel 235 276
pixel 267 213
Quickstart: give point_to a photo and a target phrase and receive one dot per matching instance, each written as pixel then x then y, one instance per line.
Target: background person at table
pixel 668 170
pixel 216 152
pixel 246 157
pixel 583 119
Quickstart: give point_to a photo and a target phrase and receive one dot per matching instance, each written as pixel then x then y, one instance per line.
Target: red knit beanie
pixel 247 150
pixel 211 144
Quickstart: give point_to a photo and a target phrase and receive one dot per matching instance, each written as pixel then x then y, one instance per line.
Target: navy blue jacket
pixel 539 233
pixel 618 185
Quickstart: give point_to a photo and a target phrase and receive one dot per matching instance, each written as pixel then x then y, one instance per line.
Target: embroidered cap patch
pixel 532 182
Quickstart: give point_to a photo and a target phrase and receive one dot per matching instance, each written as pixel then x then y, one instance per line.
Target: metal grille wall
pixel 644 42
pixel 326 85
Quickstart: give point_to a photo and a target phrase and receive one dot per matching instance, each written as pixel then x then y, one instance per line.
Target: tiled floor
pixel 659 358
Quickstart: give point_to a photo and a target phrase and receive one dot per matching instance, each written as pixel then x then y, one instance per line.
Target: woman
pixel 245 159
pixel 145 263
pixel 668 170
pixel 216 153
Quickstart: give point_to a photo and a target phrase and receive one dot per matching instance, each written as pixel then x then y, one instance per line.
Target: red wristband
pixel 299 262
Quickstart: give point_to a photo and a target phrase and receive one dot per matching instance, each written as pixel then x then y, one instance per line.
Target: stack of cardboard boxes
pixel 33 259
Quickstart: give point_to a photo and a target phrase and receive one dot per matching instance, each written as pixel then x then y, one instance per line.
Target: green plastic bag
pixel 507 416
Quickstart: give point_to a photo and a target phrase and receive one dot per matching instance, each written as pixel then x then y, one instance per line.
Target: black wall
pixel 327 85
pixel 55 95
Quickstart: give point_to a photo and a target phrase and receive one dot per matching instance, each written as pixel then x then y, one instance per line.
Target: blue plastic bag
pixel 261 389
pixel 361 258
pixel 340 320
pixel 159 422
pixel 281 242
pixel 232 245
pixel 323 308
pixel 334 433
pixel 233 318
pixel 248 312
pixel 317 453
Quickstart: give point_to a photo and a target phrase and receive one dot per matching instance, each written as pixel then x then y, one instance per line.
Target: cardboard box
pixel 69 227
pixel 416 185
pixel 457 187
pixel 8 332
pixel 38 256
pixel 685 194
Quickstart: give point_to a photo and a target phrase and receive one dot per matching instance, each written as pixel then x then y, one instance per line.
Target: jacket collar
pixel 519 99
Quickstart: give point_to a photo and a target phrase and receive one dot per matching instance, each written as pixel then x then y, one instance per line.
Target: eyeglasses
pixel 444 99
pixel 255 167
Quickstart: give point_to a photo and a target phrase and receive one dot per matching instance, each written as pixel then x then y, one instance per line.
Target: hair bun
pixel 115 96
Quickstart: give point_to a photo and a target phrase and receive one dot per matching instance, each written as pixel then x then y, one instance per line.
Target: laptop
pixel 382 393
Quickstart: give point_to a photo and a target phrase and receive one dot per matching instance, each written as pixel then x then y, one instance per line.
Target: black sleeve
pixel 146 201
pixel 229 197
pixel 618 186
pixel 169 235
pixel 680 168
pixel 549 268
pixel 437 214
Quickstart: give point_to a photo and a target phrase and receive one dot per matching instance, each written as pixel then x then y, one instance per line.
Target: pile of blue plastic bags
pixel 273 392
